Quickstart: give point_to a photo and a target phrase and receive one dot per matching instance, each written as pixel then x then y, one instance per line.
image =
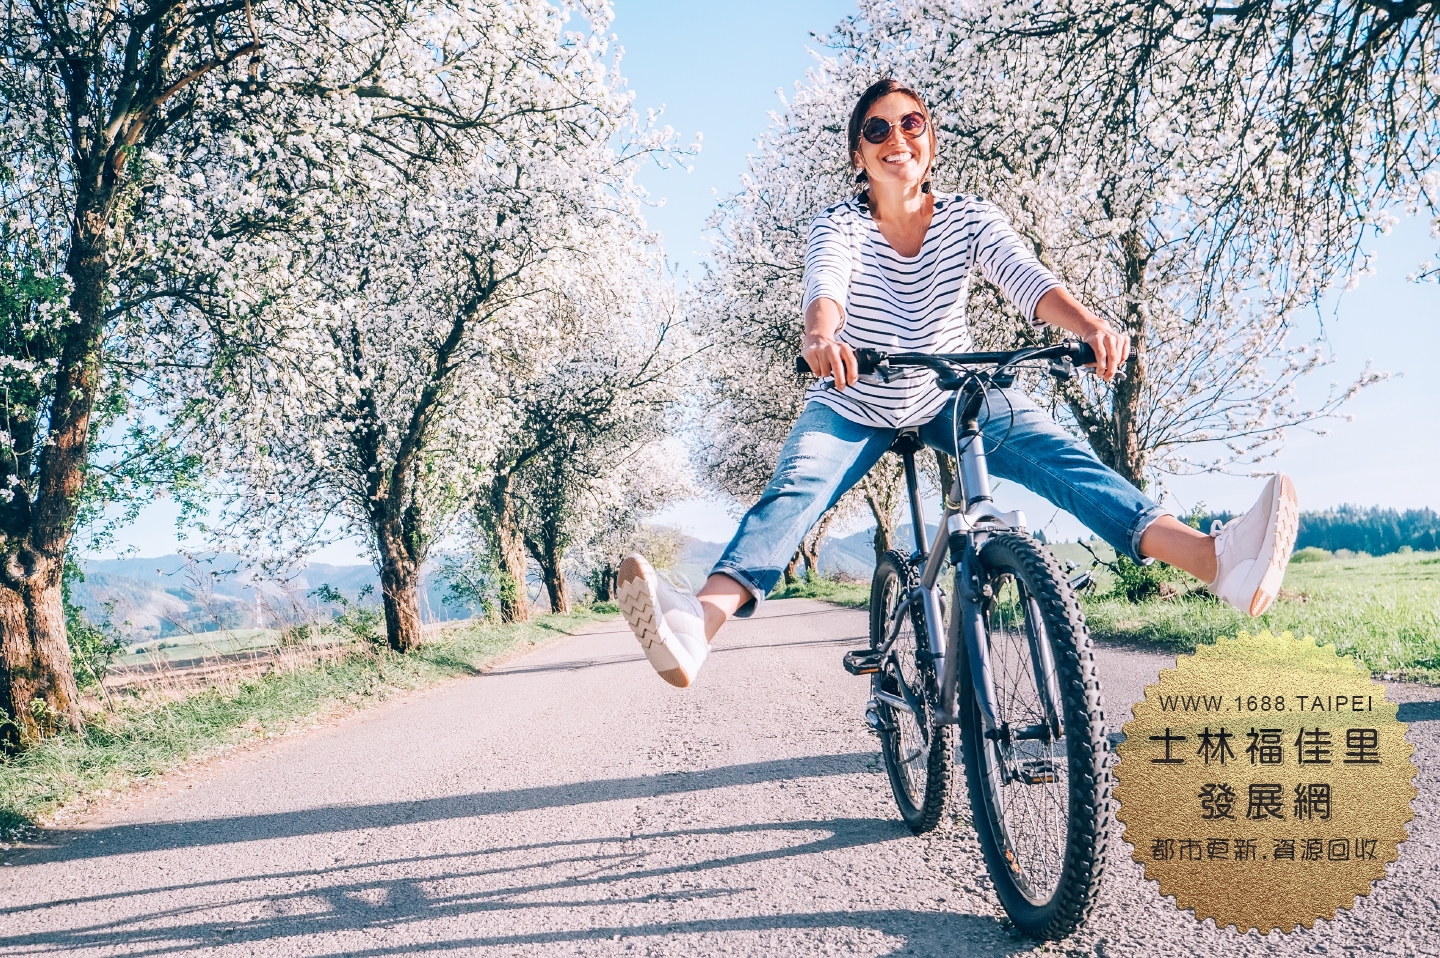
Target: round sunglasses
pixel 877 129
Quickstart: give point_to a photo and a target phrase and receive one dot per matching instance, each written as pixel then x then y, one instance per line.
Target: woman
pixel 890 269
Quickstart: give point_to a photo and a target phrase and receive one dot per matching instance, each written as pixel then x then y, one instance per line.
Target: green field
pixel 1384 610
pixel 201 645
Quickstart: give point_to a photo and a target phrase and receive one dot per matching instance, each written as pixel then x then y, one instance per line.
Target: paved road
pixel 572 803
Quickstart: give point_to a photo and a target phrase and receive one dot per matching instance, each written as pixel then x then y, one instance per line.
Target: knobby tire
pixel 1048 891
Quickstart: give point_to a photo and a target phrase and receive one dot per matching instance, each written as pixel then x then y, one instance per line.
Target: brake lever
pixel 1064 370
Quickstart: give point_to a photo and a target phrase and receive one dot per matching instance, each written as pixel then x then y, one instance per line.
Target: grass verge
pixel 854 595
pixel 144 737
pixel 1384 610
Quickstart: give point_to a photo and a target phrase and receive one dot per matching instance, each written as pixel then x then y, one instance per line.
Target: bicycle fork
pixel 970 516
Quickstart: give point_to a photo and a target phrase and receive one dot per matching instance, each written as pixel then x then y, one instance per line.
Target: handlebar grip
pixel 866 360
pixel 1084 355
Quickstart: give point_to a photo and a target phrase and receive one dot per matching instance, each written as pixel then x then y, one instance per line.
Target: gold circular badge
pixel 1265 782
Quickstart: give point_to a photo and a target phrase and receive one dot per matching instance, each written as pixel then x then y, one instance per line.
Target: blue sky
pixel 717 70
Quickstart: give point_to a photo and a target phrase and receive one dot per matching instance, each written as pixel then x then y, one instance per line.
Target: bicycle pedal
pixel 1039 772
pixel 862 662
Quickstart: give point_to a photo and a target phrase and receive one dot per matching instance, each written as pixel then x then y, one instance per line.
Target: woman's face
pixel 900 159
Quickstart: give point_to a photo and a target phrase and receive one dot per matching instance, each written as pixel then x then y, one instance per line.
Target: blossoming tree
pixel 491 182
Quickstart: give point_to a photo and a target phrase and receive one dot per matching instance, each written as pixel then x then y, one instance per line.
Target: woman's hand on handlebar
pixel 1111 350
pixel 1059 308
pixel 826 355
pixel 830 357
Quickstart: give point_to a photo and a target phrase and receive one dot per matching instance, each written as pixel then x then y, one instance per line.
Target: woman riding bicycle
pixel 890 269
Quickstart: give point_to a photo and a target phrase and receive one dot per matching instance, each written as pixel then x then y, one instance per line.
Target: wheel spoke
pixel 1033 773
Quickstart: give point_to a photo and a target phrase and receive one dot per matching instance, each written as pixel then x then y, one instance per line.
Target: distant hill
pixel 152 598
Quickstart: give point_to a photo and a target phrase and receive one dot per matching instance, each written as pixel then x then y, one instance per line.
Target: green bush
pixel 1136 583
pixel 1312 554
pixel 91 646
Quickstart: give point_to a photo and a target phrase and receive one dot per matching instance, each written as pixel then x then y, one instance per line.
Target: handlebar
pixel 1070 352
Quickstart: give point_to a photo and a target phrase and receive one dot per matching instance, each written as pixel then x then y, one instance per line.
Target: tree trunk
pixel 35 663
pixel 1115 436
pixel 602 582
pixel 882 487
pixel 39 694
pixel 1130 455
pixel 556 588
pixel 545 541
pixel 400 593
pixel 793 565
pixel 508 542
pixel 810 545
pixel 550 557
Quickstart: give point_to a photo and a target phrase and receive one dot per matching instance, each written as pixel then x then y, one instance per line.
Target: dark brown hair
pixel 877 90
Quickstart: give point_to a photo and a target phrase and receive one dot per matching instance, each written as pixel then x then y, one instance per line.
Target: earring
pixel 862 180
pixel 925 187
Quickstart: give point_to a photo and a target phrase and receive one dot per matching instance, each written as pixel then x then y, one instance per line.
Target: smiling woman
pixel 891 269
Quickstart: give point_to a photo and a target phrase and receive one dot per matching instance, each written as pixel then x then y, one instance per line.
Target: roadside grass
pixel 1384 610
pixel 854 595
pixel 141 737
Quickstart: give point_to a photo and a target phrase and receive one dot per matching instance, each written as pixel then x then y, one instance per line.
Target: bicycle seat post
pixel 907 444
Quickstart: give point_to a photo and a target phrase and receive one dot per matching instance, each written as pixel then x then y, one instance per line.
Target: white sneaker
pixel 669 622
pixel 1251 551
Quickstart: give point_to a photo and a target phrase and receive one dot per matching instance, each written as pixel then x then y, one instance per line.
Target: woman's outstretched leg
pixel 823 457
pixel 1243 562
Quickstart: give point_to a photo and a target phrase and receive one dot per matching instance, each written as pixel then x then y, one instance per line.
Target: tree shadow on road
pixel 575 664
pixel 62 846
pixel 438 892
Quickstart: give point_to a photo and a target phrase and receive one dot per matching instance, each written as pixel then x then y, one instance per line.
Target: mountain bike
pixel 1005 657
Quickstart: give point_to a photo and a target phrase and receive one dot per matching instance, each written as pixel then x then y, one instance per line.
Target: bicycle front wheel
pixel 919 756
pixel 1039 786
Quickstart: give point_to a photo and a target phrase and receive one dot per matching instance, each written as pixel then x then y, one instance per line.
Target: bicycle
pixel 1013 669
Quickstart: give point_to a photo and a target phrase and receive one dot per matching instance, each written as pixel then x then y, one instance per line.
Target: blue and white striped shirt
pixel 913 303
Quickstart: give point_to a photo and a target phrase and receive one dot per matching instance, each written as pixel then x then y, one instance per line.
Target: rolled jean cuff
pixel 1137 531
pixel 757 595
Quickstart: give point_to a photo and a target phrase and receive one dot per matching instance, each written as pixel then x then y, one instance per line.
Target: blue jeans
pixel 826 454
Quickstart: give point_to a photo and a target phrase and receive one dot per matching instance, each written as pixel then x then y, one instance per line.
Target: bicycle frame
pixel 969 517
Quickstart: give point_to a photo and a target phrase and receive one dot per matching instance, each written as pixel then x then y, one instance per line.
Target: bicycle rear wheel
pixel 919 757
pixel 1040 787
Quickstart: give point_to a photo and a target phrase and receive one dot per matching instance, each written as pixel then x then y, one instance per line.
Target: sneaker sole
pixel 636 598
pixel 1287 526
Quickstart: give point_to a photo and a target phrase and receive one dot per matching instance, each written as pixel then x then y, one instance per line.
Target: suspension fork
pixel 966 644
pixel 966 649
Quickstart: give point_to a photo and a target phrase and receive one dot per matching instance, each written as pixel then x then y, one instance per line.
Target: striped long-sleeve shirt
pixel 893 302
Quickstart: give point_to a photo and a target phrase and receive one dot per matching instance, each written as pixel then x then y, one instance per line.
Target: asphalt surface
pixel 572 803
